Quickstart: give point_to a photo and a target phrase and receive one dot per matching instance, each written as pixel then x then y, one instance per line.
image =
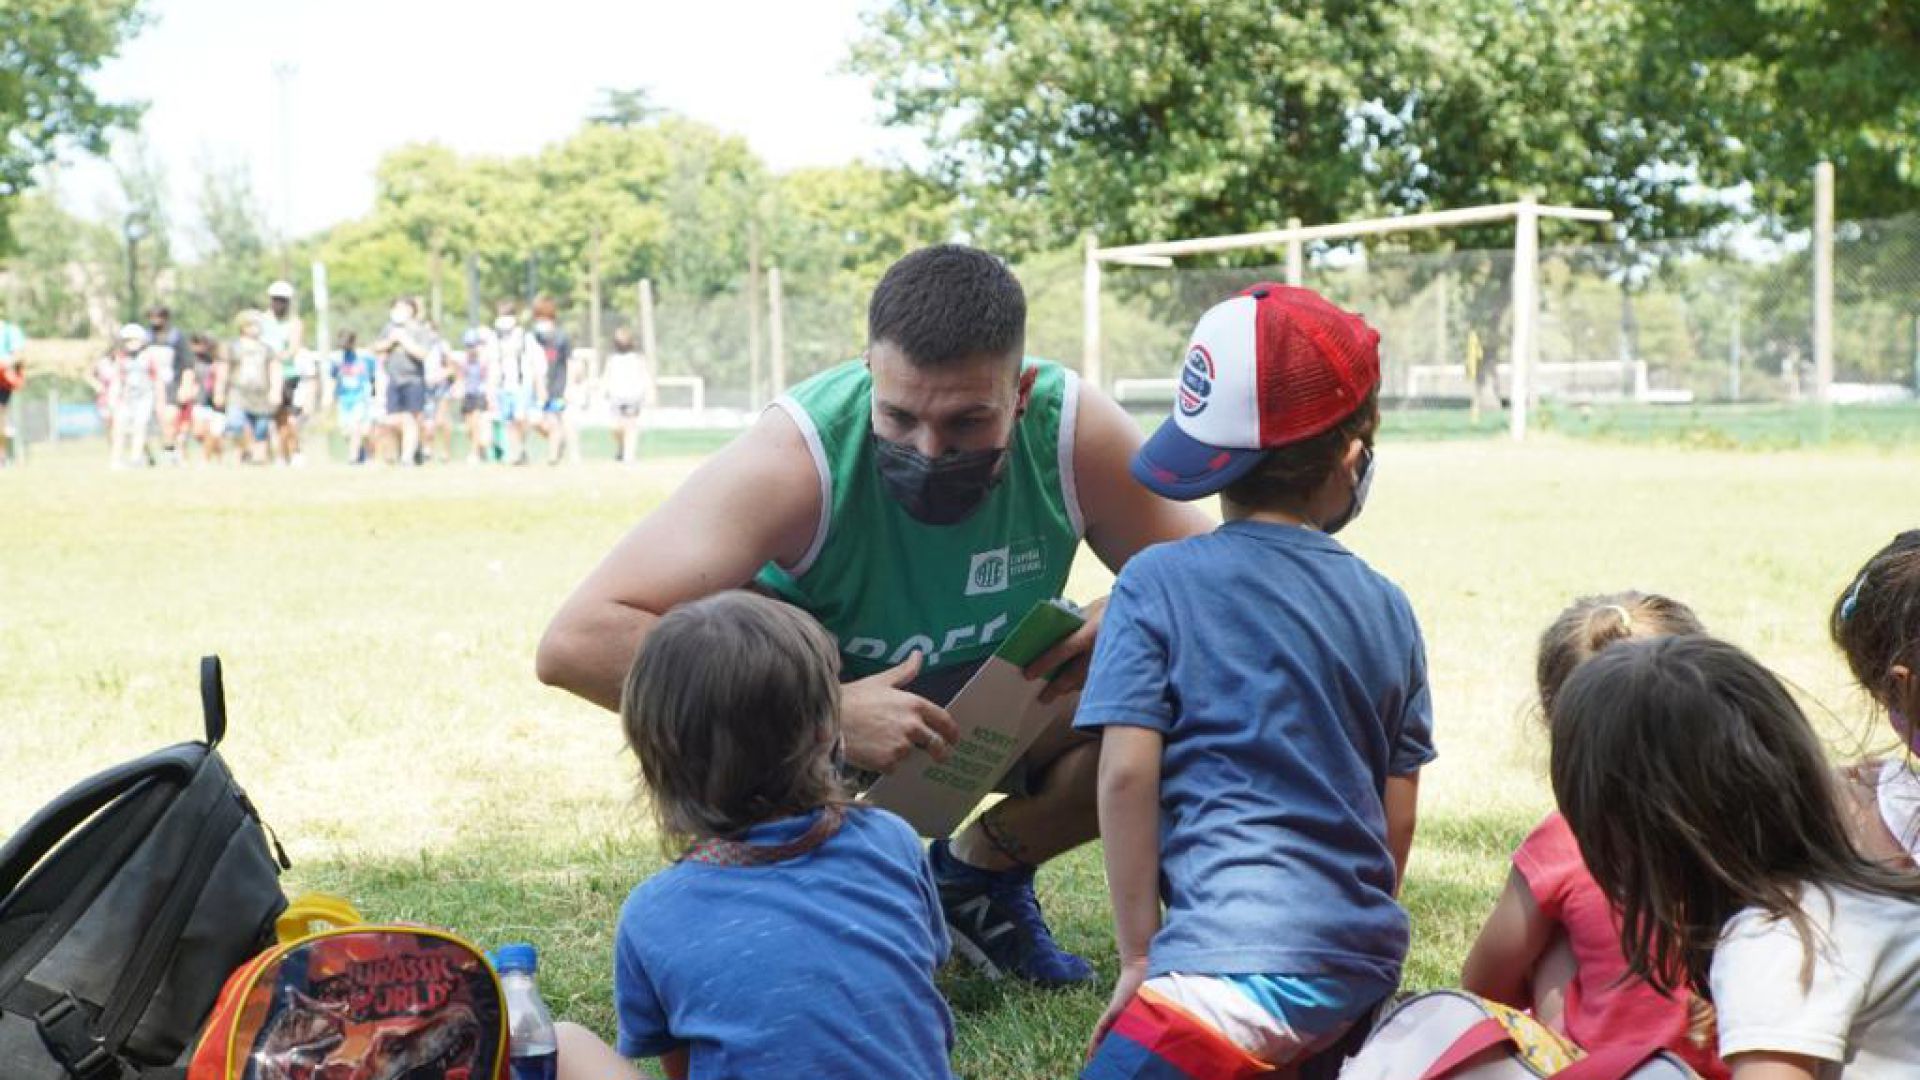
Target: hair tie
pixel 1626 617
pixel 1853 595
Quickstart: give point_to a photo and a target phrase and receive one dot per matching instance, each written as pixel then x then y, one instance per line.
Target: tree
pixel 233 267
pixel 47 48
pixel 53 276
pixel 630 108
pixel 1806 80
pixel 1152 119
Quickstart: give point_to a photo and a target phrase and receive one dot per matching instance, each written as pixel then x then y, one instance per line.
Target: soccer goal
pixel 1518 382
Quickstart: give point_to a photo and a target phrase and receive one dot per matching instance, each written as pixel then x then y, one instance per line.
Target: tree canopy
pixel 47 50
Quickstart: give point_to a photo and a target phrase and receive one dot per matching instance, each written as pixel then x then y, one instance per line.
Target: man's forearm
pixel 590 653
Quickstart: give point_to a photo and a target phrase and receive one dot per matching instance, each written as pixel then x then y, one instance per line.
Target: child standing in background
pixel 1552 943
pixel 628 386
pixel 1262 702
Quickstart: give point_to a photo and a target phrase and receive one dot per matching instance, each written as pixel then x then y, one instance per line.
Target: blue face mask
pixel 1361 486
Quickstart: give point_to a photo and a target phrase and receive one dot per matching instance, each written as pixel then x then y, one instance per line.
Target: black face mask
pixel 937 491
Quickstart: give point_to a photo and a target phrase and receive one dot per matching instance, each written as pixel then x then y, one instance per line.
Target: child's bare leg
pixel 584 1057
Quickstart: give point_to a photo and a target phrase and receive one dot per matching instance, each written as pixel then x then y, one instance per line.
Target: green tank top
pixel 886 585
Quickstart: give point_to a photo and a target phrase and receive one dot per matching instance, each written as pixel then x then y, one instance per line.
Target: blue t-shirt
pixel 1289 681
pixel 817 966
pixel 352 378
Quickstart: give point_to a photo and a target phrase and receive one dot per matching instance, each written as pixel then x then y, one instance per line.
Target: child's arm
pixel 1509 946
pixel 1770 1066
pixel 1130 828
pixel 1403 812
pixel 582 1056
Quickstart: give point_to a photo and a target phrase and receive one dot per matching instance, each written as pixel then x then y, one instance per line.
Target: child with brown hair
pixel 1876 625
pixel 796 934
pixel 1261 699
pixel 1705 807
pixel 1552 943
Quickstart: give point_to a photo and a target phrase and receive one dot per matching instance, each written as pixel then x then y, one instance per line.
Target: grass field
pixel 378 628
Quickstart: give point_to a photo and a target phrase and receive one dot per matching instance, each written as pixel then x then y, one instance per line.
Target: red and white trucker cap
pixel 1274 365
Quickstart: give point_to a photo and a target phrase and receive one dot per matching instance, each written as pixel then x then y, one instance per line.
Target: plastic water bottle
pixel 532 1050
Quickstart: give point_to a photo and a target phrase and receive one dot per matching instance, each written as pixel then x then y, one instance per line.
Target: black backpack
pixel 124 905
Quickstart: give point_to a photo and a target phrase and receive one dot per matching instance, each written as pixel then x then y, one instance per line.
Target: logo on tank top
pixel 988 573
pixel 1196 381
pixel 1003 568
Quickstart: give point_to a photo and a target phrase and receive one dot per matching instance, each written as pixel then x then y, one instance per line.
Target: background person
pixel 178 424
pixel 209 410
pixel 253 391
pixel 353 389
pixel 476 381
pixel 403 348
pixel 436 417
pixel 519 366
pixel 629 388
pixel 138 395
pixel 13 375
pixel 556 350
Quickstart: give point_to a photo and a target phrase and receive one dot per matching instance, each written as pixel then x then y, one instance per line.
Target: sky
pixel 480 76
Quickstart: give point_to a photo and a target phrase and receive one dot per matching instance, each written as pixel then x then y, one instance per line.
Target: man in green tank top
pixel 916 503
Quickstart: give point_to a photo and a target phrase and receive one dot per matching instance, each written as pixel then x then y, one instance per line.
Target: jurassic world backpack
pixel 338 999
pixel 1453 1035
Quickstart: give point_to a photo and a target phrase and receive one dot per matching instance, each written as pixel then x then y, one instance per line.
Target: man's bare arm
pixel 1122 516
pixel 755 501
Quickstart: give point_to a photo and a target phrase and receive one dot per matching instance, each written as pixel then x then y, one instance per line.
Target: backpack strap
pixel 213 700
pixel 1477 1039
pixel 1610 1063
pixel 66 1027
pixel 55 821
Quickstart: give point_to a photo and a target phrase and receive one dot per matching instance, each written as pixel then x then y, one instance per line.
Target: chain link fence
pixel 1727 318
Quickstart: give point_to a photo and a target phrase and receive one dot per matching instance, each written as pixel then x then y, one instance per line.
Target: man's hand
pixel 1071 655
pixel 883 723
pixel 1132 974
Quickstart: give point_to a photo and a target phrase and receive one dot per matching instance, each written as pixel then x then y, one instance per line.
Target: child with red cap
pixel 1261 696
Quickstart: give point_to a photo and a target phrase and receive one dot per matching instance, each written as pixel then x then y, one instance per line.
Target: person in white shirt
pixel 1704 805
pixel 138 394
pixel 628 383
pixel 519 364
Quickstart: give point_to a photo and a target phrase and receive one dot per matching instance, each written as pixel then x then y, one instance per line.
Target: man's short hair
pixel 948 303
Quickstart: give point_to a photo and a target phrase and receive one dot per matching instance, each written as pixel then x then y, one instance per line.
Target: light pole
pixel 135 230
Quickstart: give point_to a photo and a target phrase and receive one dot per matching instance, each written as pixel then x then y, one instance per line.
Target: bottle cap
pixel 518 957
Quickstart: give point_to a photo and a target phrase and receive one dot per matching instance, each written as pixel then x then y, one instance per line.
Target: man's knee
pixel 1072 778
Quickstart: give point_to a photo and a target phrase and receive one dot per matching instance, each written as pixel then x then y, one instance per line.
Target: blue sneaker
pixel 996 923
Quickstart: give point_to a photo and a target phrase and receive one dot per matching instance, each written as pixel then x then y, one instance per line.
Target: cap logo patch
pixel 1196 381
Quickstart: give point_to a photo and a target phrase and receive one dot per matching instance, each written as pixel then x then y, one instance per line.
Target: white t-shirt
pixel 1861 1010
pixel 1899 800
pixel 626 376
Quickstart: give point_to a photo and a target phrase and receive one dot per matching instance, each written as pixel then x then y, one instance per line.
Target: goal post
pixel 1525 214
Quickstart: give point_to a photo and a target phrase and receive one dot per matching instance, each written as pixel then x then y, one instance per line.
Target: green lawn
pixel 378 628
